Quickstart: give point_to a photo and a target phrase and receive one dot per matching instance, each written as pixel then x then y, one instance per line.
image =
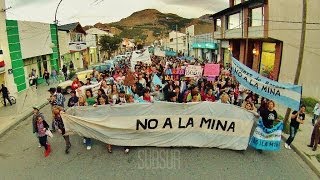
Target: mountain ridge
pixel 149 24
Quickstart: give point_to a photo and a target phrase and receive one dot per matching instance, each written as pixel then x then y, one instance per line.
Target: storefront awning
pixel 171 53
pixel 204 45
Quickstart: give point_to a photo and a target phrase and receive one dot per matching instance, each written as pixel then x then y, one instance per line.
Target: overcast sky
pixel 105 11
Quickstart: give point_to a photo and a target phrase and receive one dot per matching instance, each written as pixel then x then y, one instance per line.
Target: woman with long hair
pixel 103 100
pixel 114 96
pixel 58 123
pixel 89 97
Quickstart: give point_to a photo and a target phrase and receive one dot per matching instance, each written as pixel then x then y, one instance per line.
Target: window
pixel 256 16
pixel 268 57
pixel 79 37
pixel 234 21
pixel 171 40
pixel 235 2
pixel 217 24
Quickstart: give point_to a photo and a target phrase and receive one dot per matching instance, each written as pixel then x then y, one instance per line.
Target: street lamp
pixel 56 23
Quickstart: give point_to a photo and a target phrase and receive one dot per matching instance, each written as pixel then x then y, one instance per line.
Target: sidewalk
pixel 299 145
pixel 12 115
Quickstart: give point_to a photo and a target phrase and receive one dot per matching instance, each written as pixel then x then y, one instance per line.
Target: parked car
pixel 82 75
pixel 106 66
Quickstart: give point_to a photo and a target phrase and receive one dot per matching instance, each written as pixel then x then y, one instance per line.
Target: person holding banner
pixel 114 95
pixel 102 101
pixel 209 96
pixel 297 118
pixel 269 115
pixel 58 123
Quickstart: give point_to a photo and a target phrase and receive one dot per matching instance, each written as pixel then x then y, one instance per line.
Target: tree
pixel 110 44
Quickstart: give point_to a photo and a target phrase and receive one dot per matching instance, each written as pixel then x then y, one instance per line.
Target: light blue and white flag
pixel 267 139
pixel 157 81
pixel 286 94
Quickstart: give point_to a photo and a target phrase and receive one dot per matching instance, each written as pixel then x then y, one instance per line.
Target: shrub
pixel 309 102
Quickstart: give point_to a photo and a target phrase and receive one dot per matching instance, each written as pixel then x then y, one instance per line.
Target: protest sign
pixel 193 71
pixel 267 139
pixel 286 94
pixel 164 124
pixel 211 70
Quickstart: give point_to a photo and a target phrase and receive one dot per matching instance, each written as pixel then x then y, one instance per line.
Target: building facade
pixel 265 36
pixel 25 46
pixel 176 42
pixel 92 39
pixel 73 46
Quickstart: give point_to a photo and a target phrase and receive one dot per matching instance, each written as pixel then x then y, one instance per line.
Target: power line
pixel 284 21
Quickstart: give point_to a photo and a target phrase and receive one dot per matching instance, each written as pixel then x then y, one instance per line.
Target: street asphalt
pixel 20 158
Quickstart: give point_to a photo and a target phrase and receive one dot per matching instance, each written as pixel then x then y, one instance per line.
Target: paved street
pixel 20 158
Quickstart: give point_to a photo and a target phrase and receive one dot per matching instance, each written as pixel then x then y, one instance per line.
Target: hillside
pixel 150 24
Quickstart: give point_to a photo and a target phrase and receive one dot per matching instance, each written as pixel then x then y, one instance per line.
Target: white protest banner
pixel 193 71
pixel 158 52
pixel 141 57
pixel 164 124
pixel 93 87
pixel 286 94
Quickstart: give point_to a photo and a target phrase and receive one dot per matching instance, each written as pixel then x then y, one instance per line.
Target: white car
pixel 82 75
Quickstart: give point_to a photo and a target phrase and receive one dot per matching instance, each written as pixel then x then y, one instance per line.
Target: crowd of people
pixel 124 84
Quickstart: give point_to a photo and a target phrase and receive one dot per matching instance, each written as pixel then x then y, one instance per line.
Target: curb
pixel 17 121
pixel 304 157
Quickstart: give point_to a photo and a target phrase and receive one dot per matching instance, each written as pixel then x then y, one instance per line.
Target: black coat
pixel 45 124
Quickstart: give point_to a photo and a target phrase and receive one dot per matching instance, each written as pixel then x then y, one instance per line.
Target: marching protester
pixel 73 99
pixel 316 113
pixel 269 115
pixel 103 100
pixel 90 101
pixel 46 76
pixel 121 86
pixel 41 126
pixel 36 113
pixel 315 136
pixel 60 99
pixel 53 102
pixel 59 125
pixel 297 118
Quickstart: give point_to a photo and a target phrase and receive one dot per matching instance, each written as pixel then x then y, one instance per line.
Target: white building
pixel 176 42
pixel 25 46
pixel 92 38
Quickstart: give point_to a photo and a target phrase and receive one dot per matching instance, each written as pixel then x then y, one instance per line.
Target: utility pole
pixel 301 51
pixel 188 44
pixel 177 39
pixel 57 31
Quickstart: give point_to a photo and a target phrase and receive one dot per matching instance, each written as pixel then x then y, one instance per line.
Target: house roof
pixel 238 7
pixel 72 27
pixel 98 32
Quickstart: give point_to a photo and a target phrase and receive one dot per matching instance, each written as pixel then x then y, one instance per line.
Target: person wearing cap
pixel 53 97
pixel 73 99
pixel 53 102
pixel 36 113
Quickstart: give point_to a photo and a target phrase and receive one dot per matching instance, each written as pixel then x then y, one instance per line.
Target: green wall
pixel 54 55
pixel 15 54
